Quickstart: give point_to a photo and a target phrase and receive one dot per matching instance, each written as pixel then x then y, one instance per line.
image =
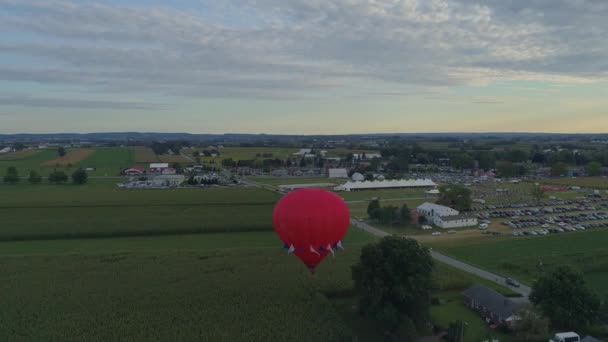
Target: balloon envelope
pixel 313 221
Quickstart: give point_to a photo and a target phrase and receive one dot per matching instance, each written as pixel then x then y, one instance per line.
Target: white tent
pixel 386 184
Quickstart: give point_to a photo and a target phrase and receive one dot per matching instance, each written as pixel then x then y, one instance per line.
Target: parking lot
pixel 552 217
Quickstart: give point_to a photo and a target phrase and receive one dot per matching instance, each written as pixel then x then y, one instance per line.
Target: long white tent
pixel 386 184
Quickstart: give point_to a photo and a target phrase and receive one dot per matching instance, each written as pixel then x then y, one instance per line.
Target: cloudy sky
pixel 304 66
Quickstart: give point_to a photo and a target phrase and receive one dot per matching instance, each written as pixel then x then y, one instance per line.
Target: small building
pixel 445 217
pixel 357 177
pixel 134 171
pixel 365 156
pixel 158 167
pixel 302 152
pixel 431 210
pixel 493 307
pixel 6 150
pixel 168 171
pixel 280 173
pixel 455 221
pixel 167 180
pixel 337 173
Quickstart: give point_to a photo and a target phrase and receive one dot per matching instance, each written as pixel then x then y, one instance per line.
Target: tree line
pixel 78 177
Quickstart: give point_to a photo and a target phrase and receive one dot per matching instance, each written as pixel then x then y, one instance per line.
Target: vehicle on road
pixel 512 282
pixel 436 233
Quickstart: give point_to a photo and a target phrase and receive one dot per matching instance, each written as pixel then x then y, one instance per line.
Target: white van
pixel 566 337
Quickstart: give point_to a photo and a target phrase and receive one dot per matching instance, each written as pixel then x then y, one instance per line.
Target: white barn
pixel 445 217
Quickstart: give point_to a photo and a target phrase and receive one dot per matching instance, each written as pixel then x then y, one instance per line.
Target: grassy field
pixel 521 257
pixel 144 155
pixel 192 287
pixel 108 161
pixel 584 182
pixel 247 153
pixel 176 158
pixel 170 288
pixel 103 210
pixel 32 162
pixel 18 155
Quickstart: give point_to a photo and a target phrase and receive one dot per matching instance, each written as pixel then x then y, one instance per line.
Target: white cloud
pixel 299 48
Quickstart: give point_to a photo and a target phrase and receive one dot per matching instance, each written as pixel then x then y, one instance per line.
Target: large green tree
pixel 34 177
pixel 537 193
pixel 594 169
pixel 393 281
pixel 455 196
pixel 559 169
pixel 12 175
pixel 80 177
pixel 61 152
pixel 372 207
pixel 563 296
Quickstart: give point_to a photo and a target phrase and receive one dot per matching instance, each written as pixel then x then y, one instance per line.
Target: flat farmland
pixel 176 158
pixel 200 284
pixel 31 162
pixel 144 155
pixel 108 161
pixel 23 154
pixel 246 153
pixel 525 258
pixel 584 182
pixel 72 157
pixel 67 211
pixel 187 288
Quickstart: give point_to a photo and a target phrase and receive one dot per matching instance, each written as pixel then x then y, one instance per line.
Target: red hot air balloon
pixel 311 223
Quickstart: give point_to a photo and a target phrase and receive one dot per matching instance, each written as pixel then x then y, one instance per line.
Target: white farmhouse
pixel 445 217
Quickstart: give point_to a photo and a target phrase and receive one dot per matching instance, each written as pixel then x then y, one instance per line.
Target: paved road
pixel 523 289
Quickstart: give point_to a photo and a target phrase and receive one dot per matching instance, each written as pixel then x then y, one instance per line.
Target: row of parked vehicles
pixel 562 220
pixel 553 203
pixel 562 229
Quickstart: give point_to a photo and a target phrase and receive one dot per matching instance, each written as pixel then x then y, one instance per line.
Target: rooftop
pixel 492 300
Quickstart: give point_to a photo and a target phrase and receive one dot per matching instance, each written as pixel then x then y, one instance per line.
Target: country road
pixel 523 289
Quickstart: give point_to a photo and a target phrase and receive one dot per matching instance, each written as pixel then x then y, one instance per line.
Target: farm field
pixel 72 157
pixel 520 257
pixel 108 161
pixel 18 155
pixel 176 158
pixel 31 162
pixel 144 155
pixel 246 153
pixel 103 210
pixel 196 282
pixel 199 289
pixel 584 182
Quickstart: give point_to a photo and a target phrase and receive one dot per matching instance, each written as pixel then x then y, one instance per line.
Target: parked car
pixel 512 282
